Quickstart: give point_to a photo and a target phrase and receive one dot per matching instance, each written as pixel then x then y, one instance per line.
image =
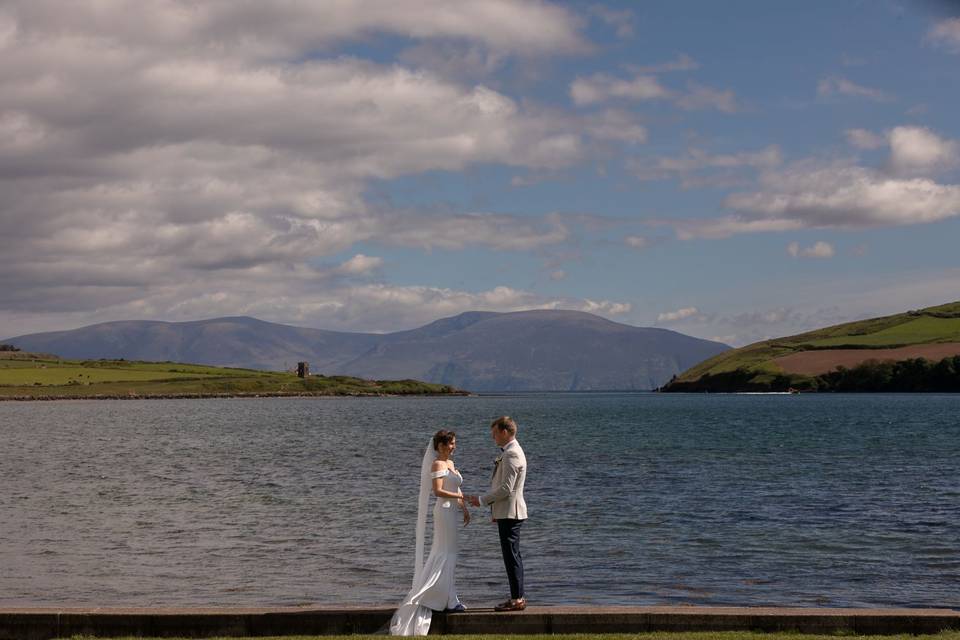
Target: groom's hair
pixel 442 437
pixel 505 423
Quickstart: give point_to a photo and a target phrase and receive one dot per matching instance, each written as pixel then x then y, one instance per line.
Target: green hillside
pixel 753 367
pixel 42 376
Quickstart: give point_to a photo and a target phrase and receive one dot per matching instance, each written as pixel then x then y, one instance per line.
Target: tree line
pixel 910 375
pixel 913 374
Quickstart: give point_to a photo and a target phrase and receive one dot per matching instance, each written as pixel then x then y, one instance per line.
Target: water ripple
pixel 835 500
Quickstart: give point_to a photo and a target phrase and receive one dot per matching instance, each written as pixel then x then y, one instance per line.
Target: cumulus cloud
pixel 147 146
pixel 946 34
pixel 360 265
pixel 679 314
pixel 845 196
pixel 841 194
pixel 813 195
pixel 919 151
pixel 819 249
pixel 281 31
pixel 836 85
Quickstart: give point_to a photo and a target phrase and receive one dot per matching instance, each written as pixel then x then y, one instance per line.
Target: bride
pixel 434 588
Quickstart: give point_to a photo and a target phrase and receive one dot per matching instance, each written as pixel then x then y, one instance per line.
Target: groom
pixel 507 506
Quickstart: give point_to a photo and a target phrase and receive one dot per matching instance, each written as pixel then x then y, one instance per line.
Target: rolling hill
pixel 806 361
pixel 542 350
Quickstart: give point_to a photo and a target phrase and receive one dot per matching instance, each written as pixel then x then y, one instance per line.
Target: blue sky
pixel 734 171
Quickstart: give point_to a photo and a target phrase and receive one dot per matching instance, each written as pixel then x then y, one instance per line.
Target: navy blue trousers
pixel 512 560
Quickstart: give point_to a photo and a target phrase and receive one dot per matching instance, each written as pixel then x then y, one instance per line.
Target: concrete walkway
pixel 43 623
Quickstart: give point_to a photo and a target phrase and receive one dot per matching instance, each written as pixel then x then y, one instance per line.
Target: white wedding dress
pixel 434 585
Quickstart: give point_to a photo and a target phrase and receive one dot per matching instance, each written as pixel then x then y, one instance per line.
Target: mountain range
pixel 539 350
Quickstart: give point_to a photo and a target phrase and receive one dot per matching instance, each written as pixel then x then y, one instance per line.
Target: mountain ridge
pixel 533 350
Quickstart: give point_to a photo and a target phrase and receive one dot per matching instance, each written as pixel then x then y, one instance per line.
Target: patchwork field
pixel 812 363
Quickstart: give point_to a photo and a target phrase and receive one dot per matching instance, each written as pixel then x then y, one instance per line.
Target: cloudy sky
pixel 731 170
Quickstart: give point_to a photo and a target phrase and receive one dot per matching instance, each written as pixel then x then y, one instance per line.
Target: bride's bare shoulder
pixel 438 465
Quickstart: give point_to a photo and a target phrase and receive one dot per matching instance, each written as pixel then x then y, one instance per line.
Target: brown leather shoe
pixel 512 605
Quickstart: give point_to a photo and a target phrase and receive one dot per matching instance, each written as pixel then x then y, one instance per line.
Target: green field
pixel 754 364
pixel 44 377
pixel 925 329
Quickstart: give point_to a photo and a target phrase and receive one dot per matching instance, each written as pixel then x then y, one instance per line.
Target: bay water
pixel 809 500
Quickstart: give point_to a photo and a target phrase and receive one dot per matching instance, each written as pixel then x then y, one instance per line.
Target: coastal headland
pixel 917 350
pixel 30 376
pixel 42 624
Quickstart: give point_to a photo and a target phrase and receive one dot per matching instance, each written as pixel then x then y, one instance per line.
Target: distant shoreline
pixel 31 377
pixel 214 396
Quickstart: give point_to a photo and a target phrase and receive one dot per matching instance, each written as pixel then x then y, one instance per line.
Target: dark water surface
pixel 832 500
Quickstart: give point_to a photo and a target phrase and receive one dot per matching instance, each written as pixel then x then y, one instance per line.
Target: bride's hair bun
pixel 442 437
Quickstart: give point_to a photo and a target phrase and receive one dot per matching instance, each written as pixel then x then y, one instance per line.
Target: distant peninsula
pixel 31 376
pixel 915 351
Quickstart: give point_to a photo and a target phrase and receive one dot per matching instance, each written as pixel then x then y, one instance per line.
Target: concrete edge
pixel 48 623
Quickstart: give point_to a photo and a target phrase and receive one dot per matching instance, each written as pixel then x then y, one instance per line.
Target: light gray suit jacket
pixel 506 487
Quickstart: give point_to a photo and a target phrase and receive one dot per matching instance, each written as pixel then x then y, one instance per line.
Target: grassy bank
pixel 758 367
pixel 46 378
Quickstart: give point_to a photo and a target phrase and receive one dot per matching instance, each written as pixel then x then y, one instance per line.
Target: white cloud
pixel 614 124
pixel 501 232
pixel 620 21
pixel 836 85
pixel 845 196
pixel 919 151
pixel 360 265
pixel 602 87
pixel 699 160
pixel 454 60
pixel 864 139
pixel 145 146
pixel 679 314
pixel 637 242
pixel 700 97
pixel 946 34
pixel 819 249
pixel 839 195
pixel 284 30
pixel 725 227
